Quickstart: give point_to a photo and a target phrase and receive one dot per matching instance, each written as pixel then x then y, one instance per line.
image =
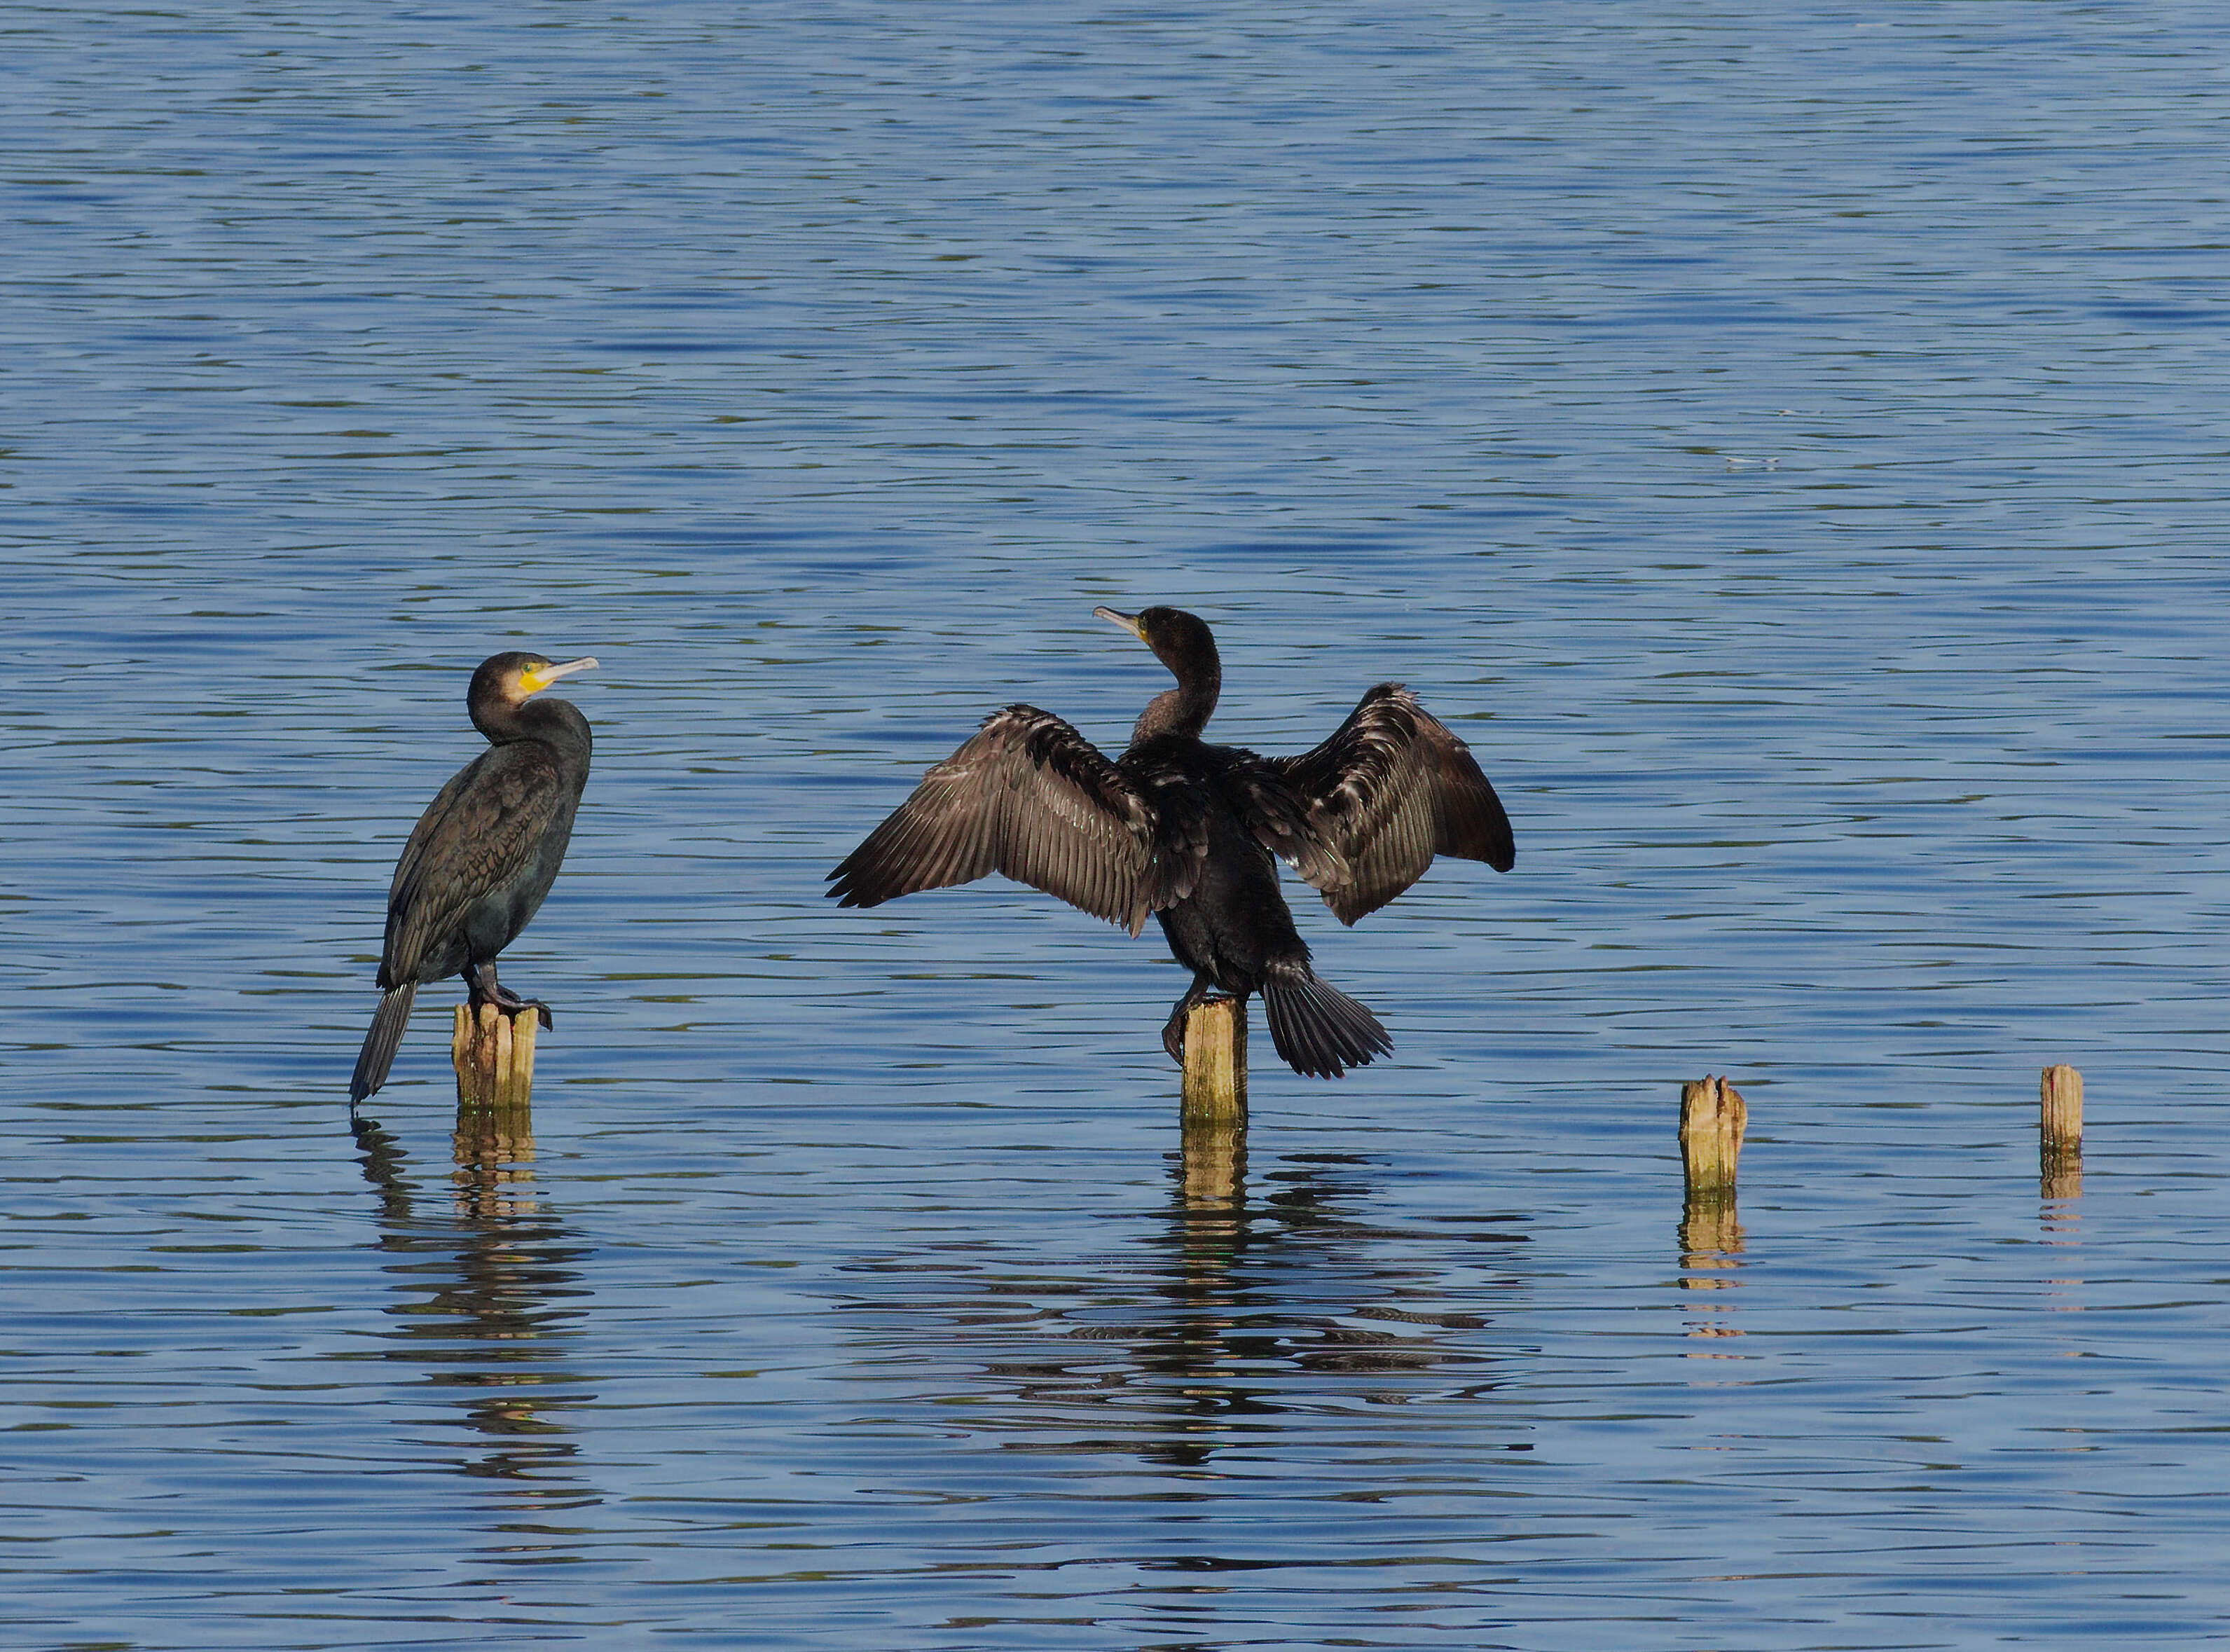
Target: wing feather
pixel 1027 796
pixel 1390 790
pixel 1282 822
pixel 482 830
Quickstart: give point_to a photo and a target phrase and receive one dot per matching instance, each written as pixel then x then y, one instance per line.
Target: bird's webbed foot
pixel 1173 1032
pixel 484 988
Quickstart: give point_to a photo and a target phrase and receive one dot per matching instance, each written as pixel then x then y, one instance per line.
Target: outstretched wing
pixel 1282 822
pixel 1391 788
pixel 1029 797
pixel 480 833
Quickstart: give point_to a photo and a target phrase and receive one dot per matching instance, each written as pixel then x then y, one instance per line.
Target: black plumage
pixel 484 854
pixel 1187 831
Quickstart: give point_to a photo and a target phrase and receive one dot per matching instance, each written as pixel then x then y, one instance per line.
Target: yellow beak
pixel 535 681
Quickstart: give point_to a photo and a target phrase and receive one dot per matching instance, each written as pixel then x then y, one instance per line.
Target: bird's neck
pixel 1184 710
pixel 558 722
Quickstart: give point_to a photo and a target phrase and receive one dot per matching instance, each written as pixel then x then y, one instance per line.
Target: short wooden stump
pixel 493 1055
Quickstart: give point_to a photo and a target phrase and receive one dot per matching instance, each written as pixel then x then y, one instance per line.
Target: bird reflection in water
pixel 1240 1287
pixel 484 1283
pixel 1253 1305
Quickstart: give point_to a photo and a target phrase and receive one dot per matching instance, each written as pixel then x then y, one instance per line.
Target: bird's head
pixel 1179 641
pixel 508 678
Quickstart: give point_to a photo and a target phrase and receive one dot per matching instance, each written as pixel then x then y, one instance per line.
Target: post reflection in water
pixel 1212 1165
pixel 484 1286
pixel 1710 1239
pixel 2059 1220
pixel 2059 1182
pixel 1208 1231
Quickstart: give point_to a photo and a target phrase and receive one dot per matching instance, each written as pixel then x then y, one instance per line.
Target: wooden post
pixel 2059 1133
pixel 1713 1118
pixel 1215 1064
pixel 1212 1115
pixel 493 1055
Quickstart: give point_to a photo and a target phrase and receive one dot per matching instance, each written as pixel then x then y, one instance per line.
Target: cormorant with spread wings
pixel 1186 831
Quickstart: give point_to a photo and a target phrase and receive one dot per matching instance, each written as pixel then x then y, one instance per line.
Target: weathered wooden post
pixel 493 1055
pixel 1215 1064
pixel 1212 1112
pixel 2059 1133
pixel 1712 1118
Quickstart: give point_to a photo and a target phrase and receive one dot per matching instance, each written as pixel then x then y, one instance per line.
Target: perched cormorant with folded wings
pixel 1186 831
pixel 484 854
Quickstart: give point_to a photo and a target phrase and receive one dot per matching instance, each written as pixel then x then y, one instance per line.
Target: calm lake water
pixel 1788 443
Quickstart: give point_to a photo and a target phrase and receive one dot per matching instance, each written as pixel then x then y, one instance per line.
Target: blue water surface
pixel 1786 444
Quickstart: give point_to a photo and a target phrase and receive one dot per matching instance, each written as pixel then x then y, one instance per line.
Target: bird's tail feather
pixel 1318 1029
pixel 379 1044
